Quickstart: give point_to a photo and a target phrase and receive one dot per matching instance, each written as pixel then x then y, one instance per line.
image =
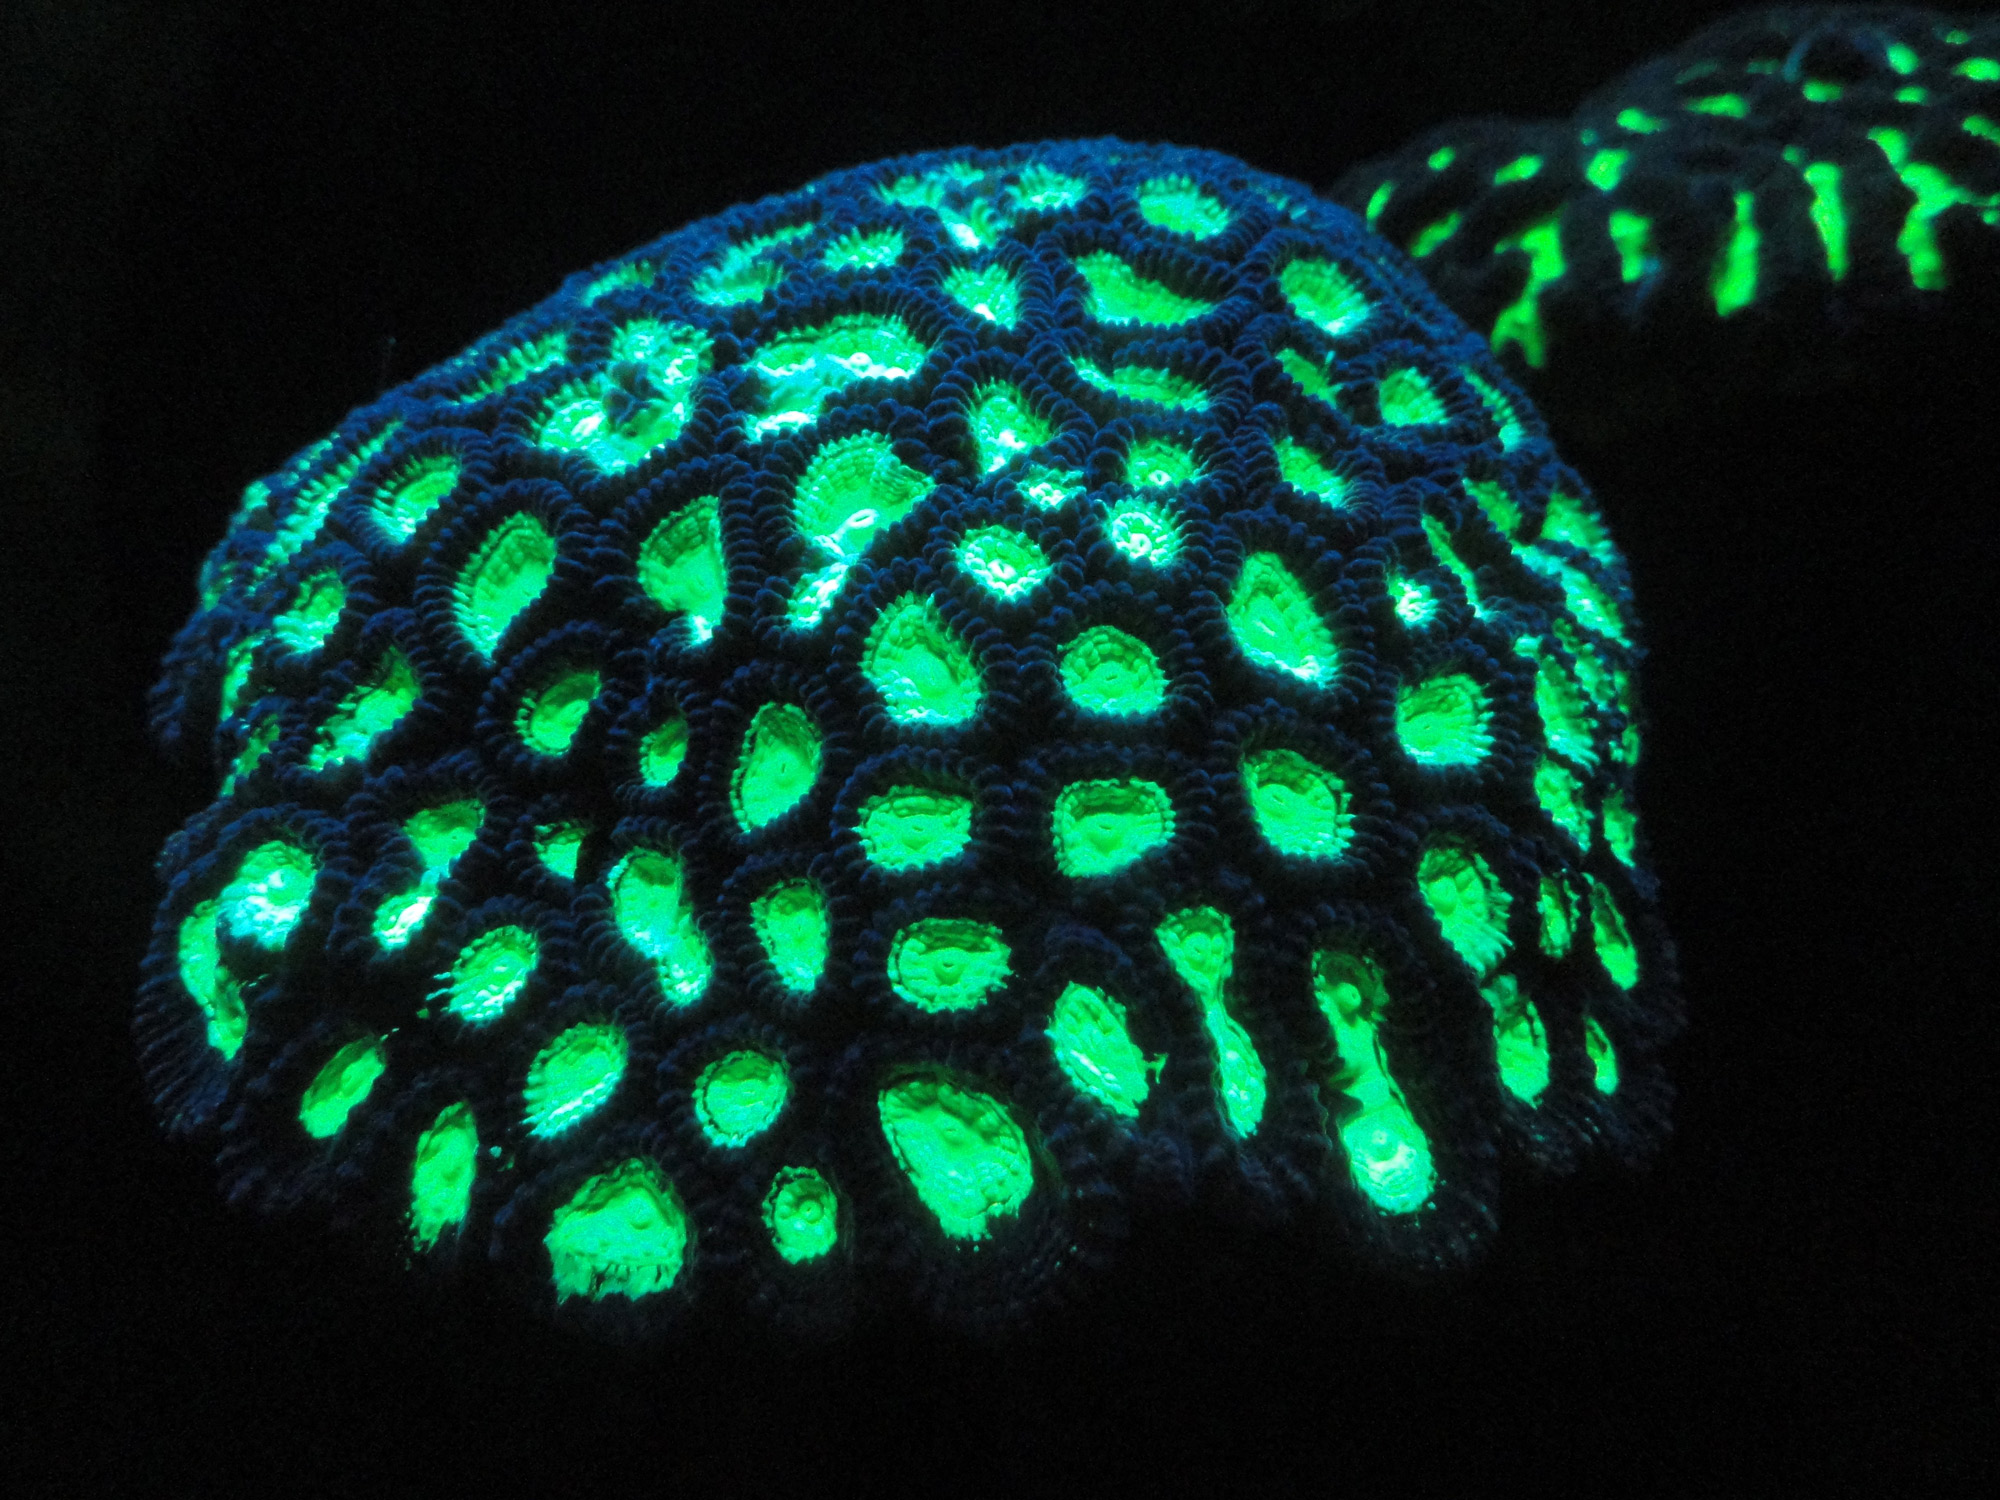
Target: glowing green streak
pixel 1094 1048
pixel 1200 943
pixel 1520 322
pixel 1432 235
pixel 1632 235
pixel 1387 1152
pixel 681 565
pixel 1734 106
pixel 441 1175
pixel 1935 192
pixel 1606 169
pixel 652 907
pixel 1520 1045
pixel 341 1084
pixel 1733 284
pixel 791 923
pixel 572 1077
pixel 1520 169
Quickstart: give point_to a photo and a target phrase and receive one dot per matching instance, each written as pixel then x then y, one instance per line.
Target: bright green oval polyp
pixel 961 1150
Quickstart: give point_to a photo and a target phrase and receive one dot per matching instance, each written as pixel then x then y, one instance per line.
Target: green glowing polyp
pixel 572 1077
pixel 1274 621
pixel 1003 562
pixel 778 766
pixel 1520 1046
pixel 681 566
pixel 1119 294
pixel 1302 808
pixel 806 369
pixel 1603 1056
pixel 802 1214
pixel 948 963
pixel 1200 943
pixel 559 846
pixel 1558 916
pixel 1307 375
pixel 490 973
pixel 439 835
pixel 989 292
pixel 623 1234
pixel 739 1096
pixel 441 1175
pixel 408 499
pixel 269 893
pixel 1406 399
pixel 961 1151
pixel 1324 295
pixel 1468 901
pixel 208 981
pixel 1305 471
pixel 864 250
pixel 1388 1154
pixel 1561 795
pixel 791 923
pixel 655 914
pixel 342 1082
pixel 551 715
pixel 1444 721
pixel 611 425
pixel 1179 206
pixel 1621 827
pixel 376 705
pixel 1100 827
pixel 505 575
pixel 1158 463
pixel 1147 383
pixel 908 827
pixel 1094 1048
pixel 1107 671
pixel 315 610
pixel 663 751
pixel 1004 425
pixel 1145 532
pixel 1614 939
pixel 923 672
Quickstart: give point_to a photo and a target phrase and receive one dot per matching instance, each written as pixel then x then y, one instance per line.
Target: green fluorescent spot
pixel 1043 187
pixel 1621 827
pixel 908 827
pixel 1492 498
pixel 1520 322
pixel 1407 400
pixel 1094 1048
pixel 315 610
pixel 1818 91
pixel 1639 122
pixel 1006 564
pixel 1829 215
pixel 376 705
pixel 741 274
pixel 1632 237
pixel 961 1150
pixel 1520 1046
pixel 1177 205
pixel 681 565
pixel 947 963
pixel 1510 430
pixel 853 490
pixel 739 1096
pixel 1603 1057
pixel 1324 295
pixel 972 219
pixel 270 893
pixel 1903 58
pixel 208 980
pixel 923 671
pixel 307 511
pixel 236 673
pixel 1160 463
pixel 1145 383
pixel 1561 795
pixel 1520 169
pixel 441 1175
pixel 989 292
pixel 1102 826
pixel 1274 621
pixel 1980 126
pixel 1444 721
pixel 1416 606
pixel 417 489
pixel 1305 471
pixel 614 424
pixel 255 745
pixel 1935 192
pixel 1558 922
pixel 864 250
pixel 342 1083
pixel 801 1214
pixel 518 363
pixel 1559 701
pixel 1047 489
pixel 1735 106
pixel 504 576
pixel 791 923
pixel 559 846
pixel 1589 602
pixel 1606 169
pixel 653 910
pixel 1614 939
pixel 1436 233
pixel 618 278
pixel 1441 547
pixel 663 752
pixel 1733 284
pixel 778 766
pixel 624 1234
pixel 1387 1152
pixel 1106 671
pixel 551 715
pixel 1913 95
pixel 805 369
pixel 1200 943
pixel 439 835
pixel 1569 520
pixel 1379 200
pixel 1307 376
pixel 1441 158
pixel 1003 425
pixel 1119 294
pixel 1469 903
pixel 572 1077
pixel 1302 808
pixel 1144 532
pixel 490 973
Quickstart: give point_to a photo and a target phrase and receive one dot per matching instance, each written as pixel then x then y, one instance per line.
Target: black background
pixel 225 225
